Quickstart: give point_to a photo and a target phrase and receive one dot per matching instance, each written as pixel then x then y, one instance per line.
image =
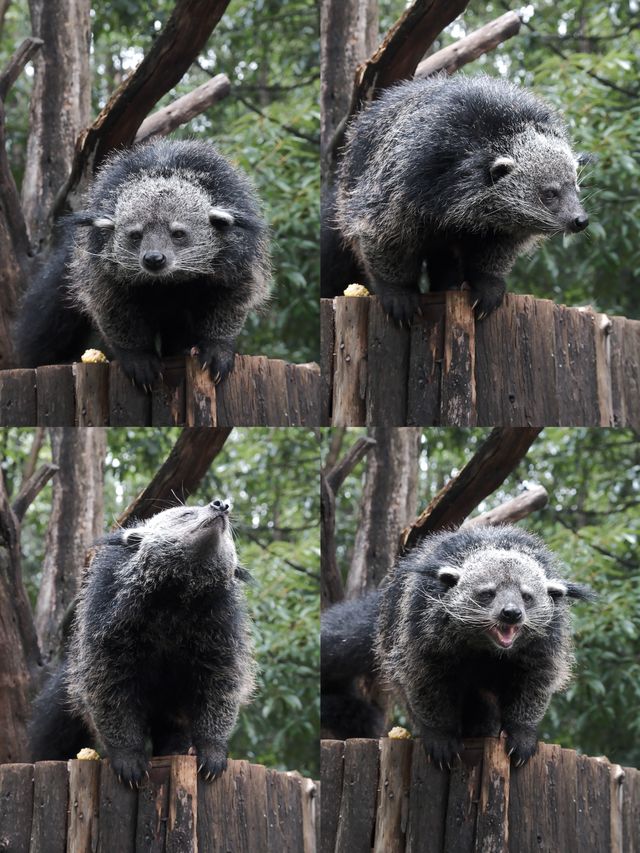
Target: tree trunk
pixel 76 520
pixel 348 35
pixel 389 501
pixel 60 106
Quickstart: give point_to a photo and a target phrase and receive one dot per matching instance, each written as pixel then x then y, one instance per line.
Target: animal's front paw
pixel 522 743
pixel 217 357
pixel 140 367
pixel 401 306
pixel 487 294
pixel 442 747
pixel 212 760
pixel 130 765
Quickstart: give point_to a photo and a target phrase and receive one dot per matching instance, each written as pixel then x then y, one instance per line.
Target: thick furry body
pixel 169 256
pixel 472 633
pixel 463 173
pixel 160 650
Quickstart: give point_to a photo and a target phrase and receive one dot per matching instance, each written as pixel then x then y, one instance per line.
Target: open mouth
pixel 504 635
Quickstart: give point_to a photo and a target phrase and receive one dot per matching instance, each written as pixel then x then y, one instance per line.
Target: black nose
pixel 153 260
pixel 222 506
pixel 581 222
pixel 511 614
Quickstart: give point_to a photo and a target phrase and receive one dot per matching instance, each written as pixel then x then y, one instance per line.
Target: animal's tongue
pixel 504 635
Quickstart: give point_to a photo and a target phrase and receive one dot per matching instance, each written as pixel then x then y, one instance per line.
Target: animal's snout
pixel 511 614
pixel 580 222
pixel 154 260
pixel 221 506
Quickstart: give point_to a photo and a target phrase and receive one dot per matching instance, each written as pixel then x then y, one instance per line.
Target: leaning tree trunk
pixel 60 106
pixel 75 521
pixel 389 502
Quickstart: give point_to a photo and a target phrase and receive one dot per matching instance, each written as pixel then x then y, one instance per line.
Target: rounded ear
pixel 501 167
pixel 104 222
pixel 449 575
pixel 560 589
pixel 132 537
pixel 95 220
pixel 556 588
pixel 218 216
pixel 583 158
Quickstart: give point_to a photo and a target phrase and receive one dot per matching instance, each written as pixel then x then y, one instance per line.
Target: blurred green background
pixel 269 126
pixel 592 522
pixel 271 478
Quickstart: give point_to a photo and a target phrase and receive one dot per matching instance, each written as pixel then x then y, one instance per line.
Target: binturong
pixel 458 174
pixel 168 257
pixel 160 656
pixel 472 635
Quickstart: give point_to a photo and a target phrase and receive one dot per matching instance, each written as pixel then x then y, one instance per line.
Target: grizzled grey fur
pixel 465 173
pixel 160 650
pixel 473 635
pixel 169 257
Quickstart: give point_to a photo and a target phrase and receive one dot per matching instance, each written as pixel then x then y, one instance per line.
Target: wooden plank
pixel 428 797
pixel 238 401
pixel 168 398
pixel 128 405
pixel 618 391
pixel 284 804
pixel 462 807
pixel 84 788
pixel 118 814
pixel 631 371
pixel 183 805
pixel 527 824
pixel 492 830
pixel 17 398
pixel 50 801
pixel 239 793
pixel 303 393
pixel 498 397
pixel 55 401
pixel 16 806
pixel 566 799
pixel 350 376
pixel 359 790
pixel 631 810
pixel 153 808
pixel 393 795
pixel 388 368
pixel 426 351
pixel 91 394
pixel 593 829
pixel 576 367
pixel 272 374
pixel 201 393
pixel 603 327
pixel 331 774
pixel 458 397
pixel 327 340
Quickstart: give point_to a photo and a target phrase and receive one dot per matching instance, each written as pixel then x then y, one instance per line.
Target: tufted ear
pixel 220 217
pixel 449 575
pixel 501 167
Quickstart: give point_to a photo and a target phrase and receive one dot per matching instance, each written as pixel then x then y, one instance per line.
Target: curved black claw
pixel 442 747
pixel 402 306
pixel 212 760
pixel 487 295
pixel 217 357
pixel 521 744
pixel 130 766
pixel 141 368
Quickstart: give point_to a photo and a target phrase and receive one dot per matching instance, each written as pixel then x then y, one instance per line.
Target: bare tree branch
pixel 181 472
pixel 470 47
pixel 14 68
pixel 513 510
pixel 34 453
pixel 184 109
pixel 31 488
pixel 337 475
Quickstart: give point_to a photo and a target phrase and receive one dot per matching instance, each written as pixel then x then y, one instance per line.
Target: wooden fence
pixel 259 392
pixel 80 807
pixel 384 796
pixel 531 363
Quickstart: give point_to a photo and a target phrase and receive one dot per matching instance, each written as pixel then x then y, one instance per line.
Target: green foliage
pixel 270 475
pixel 592 523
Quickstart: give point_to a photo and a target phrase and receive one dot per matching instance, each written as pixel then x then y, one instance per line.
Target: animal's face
pixel 201 532
pixel 164 228
pixel 538 182
pixel 499 597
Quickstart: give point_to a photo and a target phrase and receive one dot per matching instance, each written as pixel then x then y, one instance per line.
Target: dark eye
pixel 550 194
pixel 178 234
pixel 486 596
pixel 527 597
pixel 135 236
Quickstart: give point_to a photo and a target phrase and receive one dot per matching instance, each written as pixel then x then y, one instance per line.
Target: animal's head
pixel 197 535
pixel 535 185
pixel 163 228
